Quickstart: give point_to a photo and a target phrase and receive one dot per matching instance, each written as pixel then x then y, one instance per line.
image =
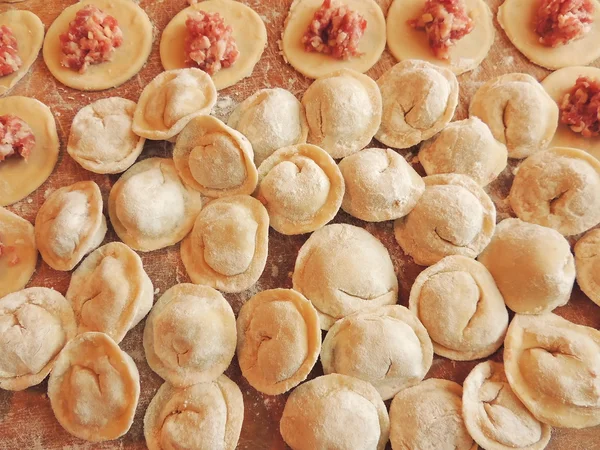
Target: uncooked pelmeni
pixel 558 188
pixel 419 101
pixel 386 346
pixel 70 224
pixel 342 269
pixel 454 216
pixel 466 147
pixel 205 416
pixel 343 110
pixel 279 340
pixel 190 335
pixel 335 411
pixel 587 263
pixel 494 415
pixel 552 366
pixel 271 119
pixel 380 185
pixel 518 111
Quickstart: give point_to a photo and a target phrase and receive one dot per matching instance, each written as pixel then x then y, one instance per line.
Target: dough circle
pixel 587 262
pixel 127 60
pixel 316 65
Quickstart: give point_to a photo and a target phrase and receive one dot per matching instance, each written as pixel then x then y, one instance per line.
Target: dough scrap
pixel 587 262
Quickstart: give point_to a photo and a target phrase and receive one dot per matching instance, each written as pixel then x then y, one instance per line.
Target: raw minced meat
pixel 16 137
pixel 10 61
pixel 580 107
pixel 559 22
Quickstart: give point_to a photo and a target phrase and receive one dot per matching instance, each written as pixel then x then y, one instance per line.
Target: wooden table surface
pixel 26 419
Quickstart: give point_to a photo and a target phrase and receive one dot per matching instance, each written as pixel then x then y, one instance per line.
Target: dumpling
pixel 35 324
pixel 342 269
pixel 386 346
pixel 150 207
pixel 587 263
pixel 454 216
pixel 419 101
pixel 335 411
pixel 552 365
pixel 227 248
pixel 380 185
pixel 110 291
pixel 70 224
pixel 190 335
pixel 279 340
pixel 518 111
pixel 343 110
pixel 461 307
pixel 94 388
pixel 466 147
pixel 560 189
pixel 301 187
pixel 204 416
pixel 215 159
pixel 271 119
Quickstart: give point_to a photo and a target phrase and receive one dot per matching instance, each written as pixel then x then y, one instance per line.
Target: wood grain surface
pixel 26 419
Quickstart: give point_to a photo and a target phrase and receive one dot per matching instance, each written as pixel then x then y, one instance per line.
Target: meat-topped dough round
pixel 558 188
pixel 150 207
pixel 171 100
pixel 343 110
pixel 466 147
pixel 215 159
pixel 494 415
pixel 461 307
pixel 552 366
pixel 429 415
pixel 419 101
pixel 190 335
pixel 101 139
pixel 70 224
pixel 271 119
pixel 587 262
pixel 386 346
pixel 454 216
pixel 110 292
pixel 380 185
pixel 342 269
pixel 301 187
pixel 205 416
pixel 519 112
pixel 335 411
pixel 279 340
pixel 227 248
pixel 35 324
pixel 94 388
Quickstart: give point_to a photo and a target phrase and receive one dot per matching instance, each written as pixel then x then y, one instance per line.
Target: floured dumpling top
pixel 587 262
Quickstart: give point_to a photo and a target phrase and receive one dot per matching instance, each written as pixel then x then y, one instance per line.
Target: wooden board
pixel 26 419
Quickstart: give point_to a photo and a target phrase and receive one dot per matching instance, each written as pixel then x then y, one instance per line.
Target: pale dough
pixel 587 262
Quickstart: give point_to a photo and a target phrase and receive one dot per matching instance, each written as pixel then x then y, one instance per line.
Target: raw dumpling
pixel 70 224
pixel 532 266
pixel 215 159
pixel 342 269
pixel 380 185
pixel 279 340
pixel 205 416
pixel 94 388
pixel 461 307
pixel 587 262
pixel 385 346
pixel 35 324
pixel 454 216
pixel 149 206
pixel 494 415
pixel 419 101
pixel 190 335
pixel 301 187
pixel 110 291
pixel 466 147
pixel 518 111
pixel 343 110
pixel 227 248
pixel 560 189
pixel 335 411
pixel 271 119
pixel 552 365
